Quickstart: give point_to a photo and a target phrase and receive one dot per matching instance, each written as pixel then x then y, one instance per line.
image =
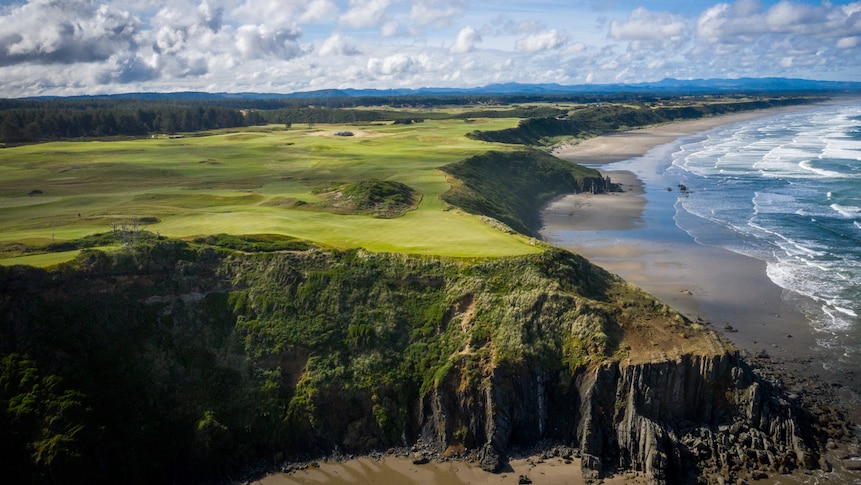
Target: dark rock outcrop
pixel 673 420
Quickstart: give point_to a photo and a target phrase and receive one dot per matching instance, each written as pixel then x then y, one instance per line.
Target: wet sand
pixel 399 470
pixel 599 212
pixel 633 234
pixel 726 289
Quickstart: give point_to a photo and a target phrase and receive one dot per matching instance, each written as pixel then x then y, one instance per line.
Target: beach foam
pixel 786 188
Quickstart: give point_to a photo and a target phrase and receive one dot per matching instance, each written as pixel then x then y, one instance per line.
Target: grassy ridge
pixel 171 361
pixel 513 186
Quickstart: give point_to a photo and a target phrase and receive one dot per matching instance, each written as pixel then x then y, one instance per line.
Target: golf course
pixel 392 179
pixel 256 180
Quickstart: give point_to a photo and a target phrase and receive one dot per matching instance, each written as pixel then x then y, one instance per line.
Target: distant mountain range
pixel 667 86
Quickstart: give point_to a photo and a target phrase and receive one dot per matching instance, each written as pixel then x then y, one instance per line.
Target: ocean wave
pixel 788 245
pixel 847 212
pixel 844 153
pixel 834 312
pixel 844 311
pixel 783 190
pixel 774 203
pixel 808 166
pixel 835 322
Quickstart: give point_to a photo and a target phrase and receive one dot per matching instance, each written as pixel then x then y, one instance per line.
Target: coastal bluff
pixel 695 418
pixel 192 362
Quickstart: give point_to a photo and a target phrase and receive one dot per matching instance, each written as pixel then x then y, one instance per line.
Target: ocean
pixel 785 189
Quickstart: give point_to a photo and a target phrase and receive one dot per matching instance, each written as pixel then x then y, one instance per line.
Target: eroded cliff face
pixel 677 421
pixel 236 359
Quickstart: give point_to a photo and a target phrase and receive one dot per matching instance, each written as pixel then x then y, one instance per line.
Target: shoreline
pixel 617 147
pixel 634 235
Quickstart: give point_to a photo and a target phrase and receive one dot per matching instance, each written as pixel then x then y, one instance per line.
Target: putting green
pixel 259 180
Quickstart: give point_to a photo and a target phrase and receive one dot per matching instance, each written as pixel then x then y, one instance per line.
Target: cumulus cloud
pixel 426 12
pixel 82 46
pixel 745 20
pixel 181 22
pixel 258 41
pixel 319 11
pixel 847 43
pixel 274 13
pixel 575 49
pixel 126 70
pixel 66 32
pixel 644 25
pixel 338 45
pixel 541 41
pixel 391 65
pixel 730 24
pixel 465 41
pixel 795 18
pixel 390 29
pixel 396 64
pixel 365 13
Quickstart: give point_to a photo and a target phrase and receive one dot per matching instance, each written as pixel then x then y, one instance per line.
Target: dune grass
pixel 248 182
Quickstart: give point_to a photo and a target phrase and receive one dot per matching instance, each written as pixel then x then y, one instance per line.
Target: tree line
pixel 48 119
pixel 55 122
pixel 603 118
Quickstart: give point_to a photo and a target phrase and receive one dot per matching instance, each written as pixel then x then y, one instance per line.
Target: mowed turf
pixel 250 182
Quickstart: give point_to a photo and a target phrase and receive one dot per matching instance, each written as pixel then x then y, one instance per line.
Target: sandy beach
pixel 400 470
pixel 730 291
pixel 392 470
pixel 634 143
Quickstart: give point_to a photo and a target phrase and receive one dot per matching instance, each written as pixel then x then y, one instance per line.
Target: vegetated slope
pixel 605 118
pixel 513 186
pixel 381 198
pixel 172 362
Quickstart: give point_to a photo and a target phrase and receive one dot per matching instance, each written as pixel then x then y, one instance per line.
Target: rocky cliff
pixel 691 417
pixel 187 363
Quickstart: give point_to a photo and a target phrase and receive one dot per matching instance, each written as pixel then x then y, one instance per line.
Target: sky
pixel 72 47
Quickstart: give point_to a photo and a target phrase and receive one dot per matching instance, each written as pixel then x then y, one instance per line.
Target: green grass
pixel 47 259
pixel 41 260
pixel 236 183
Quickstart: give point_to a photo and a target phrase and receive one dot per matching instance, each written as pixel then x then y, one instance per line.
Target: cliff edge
pixel 187 362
